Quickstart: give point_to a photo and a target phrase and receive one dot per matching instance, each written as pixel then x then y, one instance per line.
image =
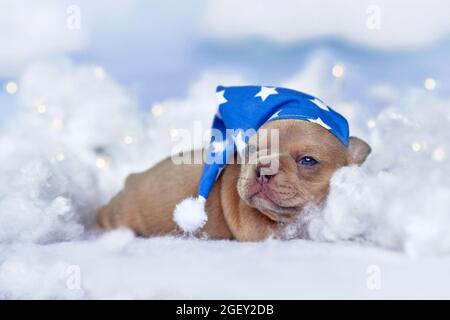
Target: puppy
pixel 250 201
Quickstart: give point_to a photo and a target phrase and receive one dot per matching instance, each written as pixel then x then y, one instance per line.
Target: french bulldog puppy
pixel 247 203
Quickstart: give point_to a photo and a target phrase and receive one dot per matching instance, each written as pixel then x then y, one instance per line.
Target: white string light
pixel 157 110
pixel 41 108
pixel 338 70
pixel 99 72
pixel 60 156
pixel 438 154
pixel 101 163
pixel 416 146
pixel 128 140
pixel 11 87
pixel 173 132
pixel 371 124
pixel 430 84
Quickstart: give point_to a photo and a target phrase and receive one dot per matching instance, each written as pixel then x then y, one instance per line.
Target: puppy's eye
pixel 307 161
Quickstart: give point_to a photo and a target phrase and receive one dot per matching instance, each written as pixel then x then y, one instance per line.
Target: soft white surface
pixel 398 200
pixel 120 266
pixel 387 222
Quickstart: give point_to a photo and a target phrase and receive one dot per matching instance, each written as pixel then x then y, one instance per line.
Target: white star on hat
pixel 320 122
pixel 220 97
pixel 266 92
pixel 320 104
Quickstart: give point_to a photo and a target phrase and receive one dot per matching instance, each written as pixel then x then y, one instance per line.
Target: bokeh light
pixel 99 72
pixel 41 108
pixel 11 87
pixel 60 156
pixel 101 163
pixel 438 154
pixel 128 140
pixel 416 146
pixel 338 71
pixel 157 110
pixel 430 84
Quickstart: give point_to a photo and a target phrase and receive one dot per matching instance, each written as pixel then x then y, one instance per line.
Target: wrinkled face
pixel 283 175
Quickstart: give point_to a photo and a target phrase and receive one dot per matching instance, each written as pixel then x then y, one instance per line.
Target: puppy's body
pixel 148 200
pixel 243 204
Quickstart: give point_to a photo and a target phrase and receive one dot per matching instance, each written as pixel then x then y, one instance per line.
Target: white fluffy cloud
pixel 61 163
pixel 30 30
pixel 403 23
pixel 397 200
pixel 76 137
pixel 57 150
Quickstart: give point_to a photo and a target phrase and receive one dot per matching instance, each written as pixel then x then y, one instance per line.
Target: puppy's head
pixel 286 173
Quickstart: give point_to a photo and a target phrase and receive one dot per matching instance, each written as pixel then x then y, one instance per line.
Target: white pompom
pixel 190 214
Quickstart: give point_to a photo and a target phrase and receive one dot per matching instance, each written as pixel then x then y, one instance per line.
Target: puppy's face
pixel 285 173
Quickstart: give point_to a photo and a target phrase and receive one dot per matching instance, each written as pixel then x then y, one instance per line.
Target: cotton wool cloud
pixel 25 38
pixel 397 201
pixel 78 132
pixel 399 198
pixel 383 202
pixel 380 24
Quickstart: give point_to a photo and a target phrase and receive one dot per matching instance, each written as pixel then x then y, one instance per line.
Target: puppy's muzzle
pixel 266 168
pixel 263 175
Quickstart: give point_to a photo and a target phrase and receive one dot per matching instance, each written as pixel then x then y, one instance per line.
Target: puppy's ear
pixel 358 150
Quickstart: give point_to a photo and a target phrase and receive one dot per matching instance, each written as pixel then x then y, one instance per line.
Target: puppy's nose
pixel 263 176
